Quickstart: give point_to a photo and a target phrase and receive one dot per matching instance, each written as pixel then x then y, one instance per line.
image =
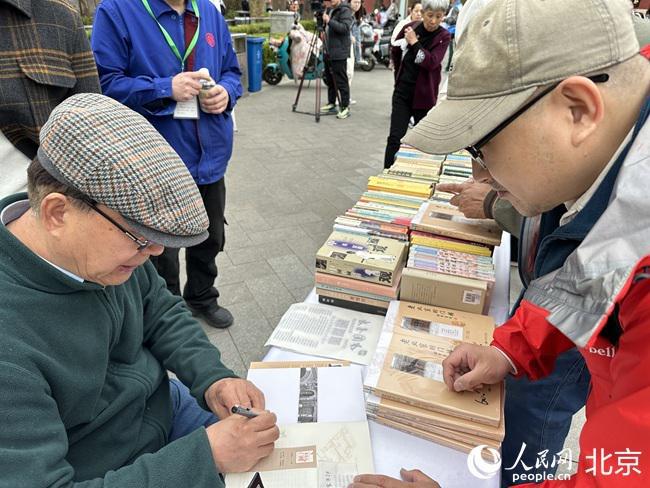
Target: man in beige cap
pixel 552 100
pixel 89 329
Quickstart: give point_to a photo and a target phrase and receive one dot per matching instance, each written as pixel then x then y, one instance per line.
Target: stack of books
pixel 394 196
pixel 450 259
pixel 456 168
pixel 411 163
pixel 359 272
pixel 405 387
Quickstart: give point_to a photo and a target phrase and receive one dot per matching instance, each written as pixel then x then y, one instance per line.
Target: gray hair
pixel 435 5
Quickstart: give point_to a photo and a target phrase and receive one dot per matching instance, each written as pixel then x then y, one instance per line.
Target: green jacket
pixel 84 394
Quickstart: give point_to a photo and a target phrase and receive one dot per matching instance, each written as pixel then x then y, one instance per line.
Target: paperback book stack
pixel 359 272
pixel 394 196
pixel 450 259
pixel 456 168
pixel 405 387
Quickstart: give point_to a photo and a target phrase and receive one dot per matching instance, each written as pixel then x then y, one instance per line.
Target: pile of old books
pixel 394 196
pixel 359 272
pixel 405 387
pixel 456 168
pixel 450 259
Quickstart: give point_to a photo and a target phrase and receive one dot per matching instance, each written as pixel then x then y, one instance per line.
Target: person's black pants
pixel 200 264
pixel 337 71
pixel 399 120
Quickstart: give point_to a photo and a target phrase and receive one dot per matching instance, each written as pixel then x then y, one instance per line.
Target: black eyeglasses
pixel 142 243
pixel 475 149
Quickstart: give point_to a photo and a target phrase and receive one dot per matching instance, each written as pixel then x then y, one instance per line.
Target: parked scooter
pixel 367 45
pixel 381 46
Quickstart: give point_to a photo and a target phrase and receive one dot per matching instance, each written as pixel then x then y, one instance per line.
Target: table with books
pixel 402 280
pixel 393 449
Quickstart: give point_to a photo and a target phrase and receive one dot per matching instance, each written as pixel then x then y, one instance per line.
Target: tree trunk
pixel 257 8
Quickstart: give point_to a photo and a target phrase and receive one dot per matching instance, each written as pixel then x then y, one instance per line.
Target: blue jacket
pixel 136 67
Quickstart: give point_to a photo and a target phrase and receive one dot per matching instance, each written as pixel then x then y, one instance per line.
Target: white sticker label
pixel 472 297
pixel 447 331
pixel 304 457
pixel 187 110
pixel 433 371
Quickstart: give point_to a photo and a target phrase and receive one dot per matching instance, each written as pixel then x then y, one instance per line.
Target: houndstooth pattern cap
pixel 113 155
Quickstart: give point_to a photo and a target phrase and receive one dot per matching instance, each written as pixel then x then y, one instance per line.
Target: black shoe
pixel 217 317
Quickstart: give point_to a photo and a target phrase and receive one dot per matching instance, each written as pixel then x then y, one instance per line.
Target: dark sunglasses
pixel 142 243
pixel 475 149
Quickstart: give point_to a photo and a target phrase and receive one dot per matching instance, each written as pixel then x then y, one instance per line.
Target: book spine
pixel 369 232
pixel 359 307
pixel 361 286
pixel 352 297
pixel 451 245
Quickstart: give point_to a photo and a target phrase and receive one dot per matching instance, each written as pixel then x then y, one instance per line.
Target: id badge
pixel 187 110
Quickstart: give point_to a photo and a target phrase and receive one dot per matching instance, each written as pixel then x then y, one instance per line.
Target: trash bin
pixel 239 45
pixel 254 55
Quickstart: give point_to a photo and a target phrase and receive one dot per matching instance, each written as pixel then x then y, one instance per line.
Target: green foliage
pixel 268 54
pixel 250 29
pixel 309 25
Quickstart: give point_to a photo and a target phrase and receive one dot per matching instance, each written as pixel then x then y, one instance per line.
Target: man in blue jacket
pixel 173 62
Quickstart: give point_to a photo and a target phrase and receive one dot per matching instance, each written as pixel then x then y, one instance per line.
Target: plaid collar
pixel 25 6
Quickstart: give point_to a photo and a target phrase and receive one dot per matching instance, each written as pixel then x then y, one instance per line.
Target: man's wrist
pixel 488 204
pixel 513 369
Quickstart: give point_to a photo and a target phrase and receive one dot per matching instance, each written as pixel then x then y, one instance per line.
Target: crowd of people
pixel 125 143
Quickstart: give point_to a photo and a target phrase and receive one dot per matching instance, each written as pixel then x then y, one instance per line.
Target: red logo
pixel 210 39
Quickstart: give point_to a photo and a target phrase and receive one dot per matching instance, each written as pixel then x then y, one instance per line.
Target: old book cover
pixel 426 418
pixel 447 220
pixel 407 365
pixel 361 286
pixel 368 258
pixel 443 290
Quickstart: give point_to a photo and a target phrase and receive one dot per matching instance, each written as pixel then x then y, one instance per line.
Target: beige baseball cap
pixel 509 50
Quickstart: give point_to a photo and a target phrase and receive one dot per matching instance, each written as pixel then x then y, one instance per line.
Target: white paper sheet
pixel 345 443
pixel 328 331
pixel 293 478
pixel 338 394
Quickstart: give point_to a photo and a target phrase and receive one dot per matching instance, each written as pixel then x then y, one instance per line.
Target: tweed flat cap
pixel 114 156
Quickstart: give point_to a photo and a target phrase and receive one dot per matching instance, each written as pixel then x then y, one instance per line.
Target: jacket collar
pixel 25 6
pixel 159 7
pixel 582 291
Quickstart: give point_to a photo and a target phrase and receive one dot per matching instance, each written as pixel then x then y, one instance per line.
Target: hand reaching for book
pixel 469 197
pixel 412 479
pixel 469 367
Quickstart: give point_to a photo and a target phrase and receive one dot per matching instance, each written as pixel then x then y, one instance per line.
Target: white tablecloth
pixel 393 449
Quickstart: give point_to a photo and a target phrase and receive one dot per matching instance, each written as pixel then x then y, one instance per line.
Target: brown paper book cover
pixel 439 431
pixel 368 258
pixel 407 365
pixel 443 290
pixel 428 419
pixel 438 439
pixel 447 220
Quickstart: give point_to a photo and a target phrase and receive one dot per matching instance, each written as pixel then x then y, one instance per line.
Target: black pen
pixel 244 411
